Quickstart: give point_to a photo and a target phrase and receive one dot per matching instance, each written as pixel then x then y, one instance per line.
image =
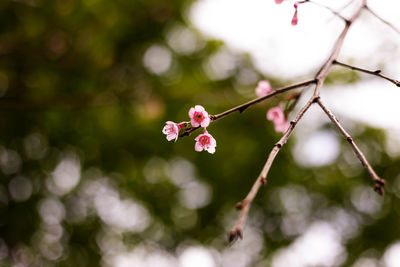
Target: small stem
pixel 345 6
pixel 379 183
pixel 376 72
pixel 382 20
pixel 334 12
pixel 237 230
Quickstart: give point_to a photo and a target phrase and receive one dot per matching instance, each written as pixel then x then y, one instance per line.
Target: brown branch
pixel 376 72
pixel 188 131
pixel 244 106
pixel 345 6
pixel 250 103
pixel 334 12
pixel 323 72
pixel 379 183
pixel 237 230
pixel 382 20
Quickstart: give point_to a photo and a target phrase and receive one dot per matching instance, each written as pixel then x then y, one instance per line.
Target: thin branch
pixel 250 103
pixel 382 20
pixel 376 72
pixel 379 183
pixel 237 230
pixel 323 72
pixel 244 106
pixel 345 6
pixel 334 12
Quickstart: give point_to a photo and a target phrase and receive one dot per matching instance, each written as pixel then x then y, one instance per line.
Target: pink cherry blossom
pixel 276 114
pixel 205 141
pixel 263 88
pixel 278 118
pixel 199 117
pixel 294 19
pixel 171 129
pixel 280 127
pixel 278 1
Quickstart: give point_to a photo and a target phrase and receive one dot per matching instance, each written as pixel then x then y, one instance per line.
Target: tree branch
pixel 244 106
pixel 323 72
pixel 250 103
pixel 376 72
pixel 237 230
pixel 379 183
pixel 382 20
pixel 334 12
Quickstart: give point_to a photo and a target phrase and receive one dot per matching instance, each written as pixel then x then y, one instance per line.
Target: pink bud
pixel 294 19
pixel 205 141
pixel 278 1
pixel 263 88
pixel 199 117
pixel 296 5
pixel 278 118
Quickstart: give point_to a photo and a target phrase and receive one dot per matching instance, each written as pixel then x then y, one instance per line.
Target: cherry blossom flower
pixel 278 118
pixel 280 127
pixel 276 114
pixel 205 141
pixel 263 88
pixel 278 1
pixel 199 117
pixel 171 129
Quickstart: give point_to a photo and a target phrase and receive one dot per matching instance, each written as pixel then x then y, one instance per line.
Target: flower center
pixel 198 116
pixel 204 140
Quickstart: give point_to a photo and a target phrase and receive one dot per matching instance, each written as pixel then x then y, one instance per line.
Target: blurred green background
pixel 88 179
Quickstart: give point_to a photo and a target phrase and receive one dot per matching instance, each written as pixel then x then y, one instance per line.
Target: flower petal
pixel 211 149
pixel 205 122
pixel 191 112
pixel 199 108
pixel 198 147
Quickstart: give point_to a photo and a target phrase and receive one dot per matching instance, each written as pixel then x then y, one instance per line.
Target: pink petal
pixel 211 149
pixel 276 114
pixel 166 127
pixel 171 130
pixel 172 136
pixel 199 108
pixel 198 147
pixel 281 127
pixel 191 112
pixel 206 121
pixel 263 88
pixel 212 141
pixel 194 122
